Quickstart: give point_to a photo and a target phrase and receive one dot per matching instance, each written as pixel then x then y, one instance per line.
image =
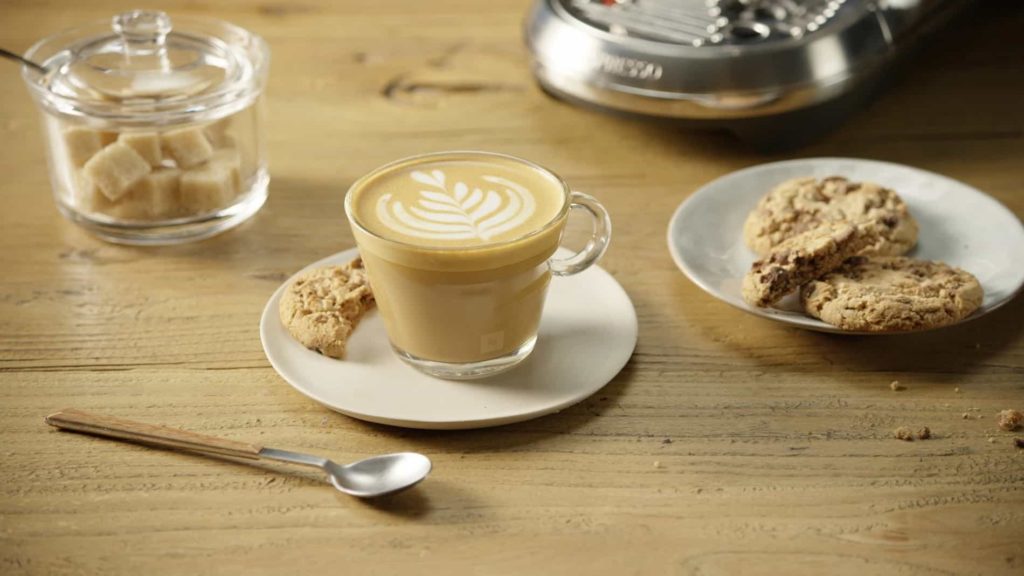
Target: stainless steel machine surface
pixel 725 63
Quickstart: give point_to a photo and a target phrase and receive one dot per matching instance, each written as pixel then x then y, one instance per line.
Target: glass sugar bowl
pixel 154 134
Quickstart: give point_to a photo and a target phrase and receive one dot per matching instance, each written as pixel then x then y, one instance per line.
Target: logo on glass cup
pixel 460 212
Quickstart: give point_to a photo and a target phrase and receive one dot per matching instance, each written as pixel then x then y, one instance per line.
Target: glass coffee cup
pixel 459 250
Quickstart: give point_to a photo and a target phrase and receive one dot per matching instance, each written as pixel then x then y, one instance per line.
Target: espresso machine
pixel 777 73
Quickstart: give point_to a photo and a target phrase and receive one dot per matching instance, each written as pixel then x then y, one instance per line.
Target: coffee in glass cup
pixel 458 247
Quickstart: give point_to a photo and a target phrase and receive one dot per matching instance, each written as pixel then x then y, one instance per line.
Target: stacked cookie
pixel 841 244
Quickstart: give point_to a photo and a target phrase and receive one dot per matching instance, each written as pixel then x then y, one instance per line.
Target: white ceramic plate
pixel 959 225
pixel 587 334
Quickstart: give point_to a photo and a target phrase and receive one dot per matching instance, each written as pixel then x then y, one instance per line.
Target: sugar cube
pixel 222 139
pixel 81 144
pixel 154 196
pixel 147 144
pixel 129 207
pixel 86 196
pixel 187 146
pixel 230 159
pixel 206 188
pixel 219 135
pixel 115 168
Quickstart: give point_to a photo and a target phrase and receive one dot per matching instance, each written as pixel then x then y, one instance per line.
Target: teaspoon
pixel 19 58
pixel 367 478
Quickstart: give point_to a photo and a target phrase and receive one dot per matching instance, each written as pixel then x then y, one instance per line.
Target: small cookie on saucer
pixel 892 294
pixel 322 306
pixel 803 258
pixel 801 204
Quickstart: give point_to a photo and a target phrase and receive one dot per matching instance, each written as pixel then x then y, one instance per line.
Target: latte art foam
pixel 458 213
pixel 457 202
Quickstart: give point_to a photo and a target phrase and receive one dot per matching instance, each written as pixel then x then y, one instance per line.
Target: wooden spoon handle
pixel 100 425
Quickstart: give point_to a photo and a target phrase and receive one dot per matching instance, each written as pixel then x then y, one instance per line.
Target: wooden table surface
pixel 728 444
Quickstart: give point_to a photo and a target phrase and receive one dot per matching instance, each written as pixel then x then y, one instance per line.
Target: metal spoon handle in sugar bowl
pixel 19 58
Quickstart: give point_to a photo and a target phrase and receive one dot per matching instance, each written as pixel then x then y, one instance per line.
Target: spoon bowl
pixel 379 475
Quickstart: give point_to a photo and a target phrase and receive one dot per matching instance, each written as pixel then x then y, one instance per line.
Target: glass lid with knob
pixel 142 68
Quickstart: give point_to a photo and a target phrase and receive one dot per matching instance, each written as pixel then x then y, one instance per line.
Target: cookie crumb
pixel 666 441
pixel 965 416
pixel 924 433
pixel 1018 442
pixel 1010 420
pixel 903 433
pixel 657 464
pixel 956 390
pixel 991 440
pixel 896 386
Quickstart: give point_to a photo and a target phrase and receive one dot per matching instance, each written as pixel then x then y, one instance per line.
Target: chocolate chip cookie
pixel 322 306
pixel 801 204
pixel 892 294
pixel 803 258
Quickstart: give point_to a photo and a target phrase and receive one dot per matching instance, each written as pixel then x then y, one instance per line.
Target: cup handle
pixel 601 234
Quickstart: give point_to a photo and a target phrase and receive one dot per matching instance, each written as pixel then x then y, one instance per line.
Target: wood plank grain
pixel 728 444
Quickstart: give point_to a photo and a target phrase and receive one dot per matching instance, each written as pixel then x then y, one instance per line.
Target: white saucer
pixel 959 225
pixel 587 334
